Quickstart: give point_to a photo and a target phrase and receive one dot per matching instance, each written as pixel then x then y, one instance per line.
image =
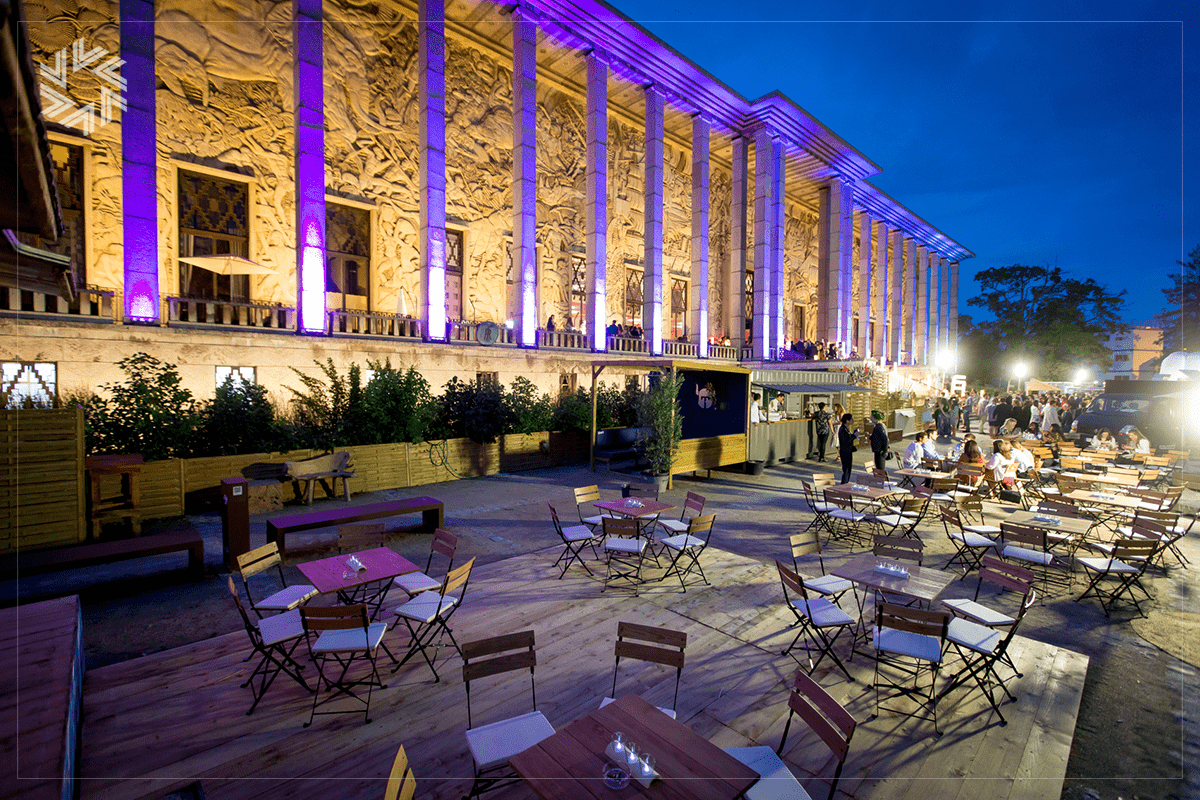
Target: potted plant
pixel 661 418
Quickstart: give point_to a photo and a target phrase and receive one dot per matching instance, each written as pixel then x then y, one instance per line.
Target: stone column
pixel 898 329
pixel 309 116
pixel 139 163
pixel 944 328
pixel 838 209
pixel 921 340
pixel 777 315
pixel 431 46
pixel 596 190
pixel 698 305
pixel 652 277
pixel 525 175
pixel 863 345
pixel 910 300
pixel 934 347
pixel 764 183
pixel 735 285
pixel 953 296
pixel 879 302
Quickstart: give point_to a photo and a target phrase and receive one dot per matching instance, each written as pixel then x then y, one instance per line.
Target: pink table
pixel 649 508
pixel 331 574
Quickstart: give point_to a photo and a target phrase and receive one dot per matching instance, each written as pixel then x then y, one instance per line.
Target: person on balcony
pixel 550 324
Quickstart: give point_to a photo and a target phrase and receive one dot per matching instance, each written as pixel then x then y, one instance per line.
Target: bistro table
pixel 1117 505
pixel 334 574
pixel 911 473
pixel 643 509
pixel 1098 477
pixel 569 764
pixel 923 584
pixel 866 493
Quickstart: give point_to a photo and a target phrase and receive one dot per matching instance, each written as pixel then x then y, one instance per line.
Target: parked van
pixel 1145 405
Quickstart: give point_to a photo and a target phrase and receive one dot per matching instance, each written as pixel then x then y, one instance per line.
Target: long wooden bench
pixel 431 510
pixel 86 555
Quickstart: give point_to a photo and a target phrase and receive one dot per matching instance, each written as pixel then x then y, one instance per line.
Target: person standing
pixel 822 426
pixel 879 444
pixel 846 446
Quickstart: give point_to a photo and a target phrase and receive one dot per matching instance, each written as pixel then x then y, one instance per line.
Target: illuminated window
pixel 749 311
pixel 679 308
pixel 246 374
pixel 213 216
pixel 487 379
pixel 797 322
pixel 454 275
pixel 348 251
pixel 568 383
pixel 633 296
pixel 578 290
pixel 24 383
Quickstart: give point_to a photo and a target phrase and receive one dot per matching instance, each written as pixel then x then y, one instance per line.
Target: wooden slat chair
pixel 1030 547
pixel 624 550
pixel 585 496
pixel 902 520
pixel 899 548
pixel 344 635
pixel 354 539
pixel 982 647
pixel 816 618
pixel 972 542
pixel 825 716
pixel 1173 528
pixel 402 784
pixel 818 507
pixel 427 617
pixel 258 561
pixel 1068 508
pixel 1126 564
pixel 844 518
pixel 687 548
pixel 909 643
pixel 1008 578
pixel 693 506
pixel 944 490
pixel 574 539
pixel 493 744
pixel 655 645
pixel 971 507
pixel 274 639
pixel 413 583
pixel 804 544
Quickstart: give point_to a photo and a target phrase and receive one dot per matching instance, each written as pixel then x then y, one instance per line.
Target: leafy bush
pixel 149 413
pixel 241 419
pixel 660 412
pixel 334 414
pixel 527 411
pixel 573 413
pixel 475 410
pixel 398 403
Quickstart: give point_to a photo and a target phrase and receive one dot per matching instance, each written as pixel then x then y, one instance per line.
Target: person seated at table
pixel 931 450
pixel 915 451
pixel 1103 440
pixel 1053 439
pixel 959 449
pixel 1033 433
pixel 1002 464
pixel 1137 444
pixel 1026 461
pixel 971 453
pixel 1009 428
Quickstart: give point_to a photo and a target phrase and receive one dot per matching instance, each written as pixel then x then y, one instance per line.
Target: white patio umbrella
pixel 228 265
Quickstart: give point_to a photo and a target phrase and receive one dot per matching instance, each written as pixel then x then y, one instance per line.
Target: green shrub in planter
pixel 399 404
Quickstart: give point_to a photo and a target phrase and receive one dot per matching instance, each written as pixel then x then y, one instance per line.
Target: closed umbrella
pixel 228 265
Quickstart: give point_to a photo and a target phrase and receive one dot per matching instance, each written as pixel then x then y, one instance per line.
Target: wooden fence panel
pixel 378 467
pixel 41 478
pixel 160 488
pixel 709 452
pixel 206 473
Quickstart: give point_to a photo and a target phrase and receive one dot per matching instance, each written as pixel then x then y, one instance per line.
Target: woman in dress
pixel 1103 440
pixel 846 448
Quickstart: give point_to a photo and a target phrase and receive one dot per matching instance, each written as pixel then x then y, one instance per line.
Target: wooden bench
pixel 331 465
pixel 431 510
pixel 86 555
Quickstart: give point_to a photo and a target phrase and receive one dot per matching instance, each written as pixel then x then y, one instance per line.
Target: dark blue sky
pixel 1031 132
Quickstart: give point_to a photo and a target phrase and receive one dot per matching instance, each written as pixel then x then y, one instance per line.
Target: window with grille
pixel 679 309
pixel 68 179
pixel 487 379
pixel 749 310
pixel 246 374
pixel 25 383
pixel 213 220
pixel 633 296
pixel 347 250
pixel 578 290
pixel 797 322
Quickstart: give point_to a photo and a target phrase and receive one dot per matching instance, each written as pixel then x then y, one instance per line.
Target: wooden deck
pixel 159 722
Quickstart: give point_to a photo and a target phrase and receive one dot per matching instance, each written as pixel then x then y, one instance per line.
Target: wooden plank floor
pixel 158 722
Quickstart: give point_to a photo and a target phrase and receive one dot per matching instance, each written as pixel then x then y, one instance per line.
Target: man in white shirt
pixel 1035 414
pixel 755 409
pixel 1049 416
pixel 915 451
pixel 1022 456
pixel 930 450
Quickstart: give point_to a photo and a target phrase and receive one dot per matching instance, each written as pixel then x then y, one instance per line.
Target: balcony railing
pixel 723 352
pixel 98 305
pixel 469 332
pixel 563 340
pixel 371 323
pixel 627 344
pixel 225 313
pixel 681 349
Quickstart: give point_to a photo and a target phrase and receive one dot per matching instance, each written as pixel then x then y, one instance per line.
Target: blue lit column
pixel 652 277
pixel 139 163
pixel 910 300
pixel 764 183
pixel 865 286
pixel 944 317
pixel 879 302
pixel 921 334
pixel 431 46
pixel 897 327
pixel 934 348
pixel 776 313
pixel 953 297
pixel 310 165
pixel 735 286
pixel 525 174
pixel 596 191
pixel 698 311
pixel 836 259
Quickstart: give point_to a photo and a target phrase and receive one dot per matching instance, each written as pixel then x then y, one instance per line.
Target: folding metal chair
pixel 688 547
pixel 1126 564
pixel 819 508
pixel 258 561
pixel 909 642
pixel 1173 528
pixel 831 586
pixel 971 545
pixel 574 539
pixel 1008 578
pixel 427 617
pixel 825 716
pixel 1030 547
pixel 274 639
pixel 624 549
pixel 413 583
pixel 586 496
pixel 901 520
pixel 656 645
pixel 844 518
pixel 693 506
pixel 900 548
pixel 815 617
pixel 402 784
pixel 493 744
pixel 344 635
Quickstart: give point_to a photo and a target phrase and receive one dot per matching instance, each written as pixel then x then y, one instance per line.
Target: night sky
pixel 1040 133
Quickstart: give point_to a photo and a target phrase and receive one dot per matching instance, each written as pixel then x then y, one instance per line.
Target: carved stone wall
pixel 800 250
pixel 720 245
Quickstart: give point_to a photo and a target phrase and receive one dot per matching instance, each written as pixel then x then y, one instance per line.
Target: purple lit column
pixel 944 328
pixel 921 334
pixel 596 188
pixel 525 173
pixel 652 278
pixel 896 306
pixel 953 298
pixel 431 39
pixel 735 285
pixel 863 345
pixel 698 317
pixel 309 115
pixel 910 300
pixel 837 209
pixel 777 285
pixel 764 184
pixel 139 162
pixel 934 348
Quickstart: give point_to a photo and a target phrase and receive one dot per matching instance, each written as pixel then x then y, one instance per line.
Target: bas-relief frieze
pixel 800 247
pixel 720 239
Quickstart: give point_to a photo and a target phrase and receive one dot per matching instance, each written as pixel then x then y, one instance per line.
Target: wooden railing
pixel 563 340
pixel 627 344
pixel 220 312
pixel 681 349
pixel 469 332
pixel 373 323
pixel 100 305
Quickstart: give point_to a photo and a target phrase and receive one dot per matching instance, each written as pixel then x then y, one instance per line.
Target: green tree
pixel 1042 316
pixel 241 419
pixel 331 413
pixel 661 415
pixel 528 411
pixel 1180 320
pixel 149 413
pixel 398 403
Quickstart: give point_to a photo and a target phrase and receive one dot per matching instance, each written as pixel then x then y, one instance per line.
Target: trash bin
pixel 235 520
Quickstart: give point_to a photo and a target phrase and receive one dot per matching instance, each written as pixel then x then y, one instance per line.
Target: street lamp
pixel 943 361
pixel 1020 370
pixel 1081 377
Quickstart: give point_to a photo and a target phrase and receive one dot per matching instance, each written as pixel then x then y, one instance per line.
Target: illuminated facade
pixel 430 182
